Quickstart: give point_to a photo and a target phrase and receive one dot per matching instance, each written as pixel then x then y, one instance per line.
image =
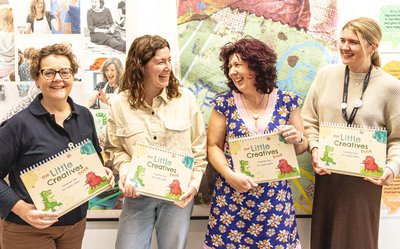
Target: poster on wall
pixel 391 199
pixel 302 34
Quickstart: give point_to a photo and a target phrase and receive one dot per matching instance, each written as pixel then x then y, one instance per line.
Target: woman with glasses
pixel 47 126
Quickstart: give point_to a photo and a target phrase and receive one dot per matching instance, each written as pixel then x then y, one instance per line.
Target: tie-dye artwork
pixel 302 46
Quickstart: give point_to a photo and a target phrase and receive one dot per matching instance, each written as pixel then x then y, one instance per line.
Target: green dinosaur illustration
pixel 103 117
pixel 137 179
pixel 327 158
pixel 244 168
pixel 48 201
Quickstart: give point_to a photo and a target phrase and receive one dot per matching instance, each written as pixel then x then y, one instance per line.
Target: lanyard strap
pixel 358 103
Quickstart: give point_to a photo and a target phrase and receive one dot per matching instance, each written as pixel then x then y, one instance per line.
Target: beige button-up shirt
pixel 175 123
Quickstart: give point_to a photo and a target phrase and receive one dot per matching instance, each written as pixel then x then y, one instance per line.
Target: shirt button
pixel 155 137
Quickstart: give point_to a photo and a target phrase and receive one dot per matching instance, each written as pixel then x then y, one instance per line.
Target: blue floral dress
pixel 264 216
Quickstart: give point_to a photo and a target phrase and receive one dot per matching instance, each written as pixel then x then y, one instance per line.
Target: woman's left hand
pixel 386 178
pixel 110 177
pixel 290 133
pixel 186 198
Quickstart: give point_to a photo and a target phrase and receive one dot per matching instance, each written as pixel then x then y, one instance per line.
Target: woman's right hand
pixel 318 170
pixel 34 217
pixel 240 182
pixel 127 189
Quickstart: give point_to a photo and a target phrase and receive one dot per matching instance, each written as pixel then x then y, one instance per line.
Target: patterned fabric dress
pixel 263 217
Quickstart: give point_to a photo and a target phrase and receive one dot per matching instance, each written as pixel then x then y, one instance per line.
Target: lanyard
pixel 358 102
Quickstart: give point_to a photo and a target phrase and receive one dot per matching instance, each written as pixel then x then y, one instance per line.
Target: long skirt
pixel 345 213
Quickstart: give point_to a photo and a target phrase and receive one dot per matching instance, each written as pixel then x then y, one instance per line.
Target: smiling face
pixel 39 6
pixel 111 74
pixel 157 71
pixel 96 4
pixel 355 52
pixel 57 89
pixel 241 75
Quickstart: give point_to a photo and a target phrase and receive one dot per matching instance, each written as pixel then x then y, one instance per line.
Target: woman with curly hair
pixel 245 214
pixel 50 123
pixel 152 108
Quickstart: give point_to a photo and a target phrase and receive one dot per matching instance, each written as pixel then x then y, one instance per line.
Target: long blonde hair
pixel 33 12
pixel 6 19
pixel 368 29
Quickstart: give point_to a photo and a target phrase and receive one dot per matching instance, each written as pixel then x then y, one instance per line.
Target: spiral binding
pixel 352 126
pixel 254 136
pixel 164 149
pixel 48 159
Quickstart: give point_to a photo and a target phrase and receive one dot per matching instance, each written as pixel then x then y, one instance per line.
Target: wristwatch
pixel 301 138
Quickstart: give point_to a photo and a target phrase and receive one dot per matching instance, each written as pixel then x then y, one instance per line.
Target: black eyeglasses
pixel 50 74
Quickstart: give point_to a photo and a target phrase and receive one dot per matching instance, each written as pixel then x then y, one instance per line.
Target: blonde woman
pixel 346 208
pixel 6 42
pixel 40 21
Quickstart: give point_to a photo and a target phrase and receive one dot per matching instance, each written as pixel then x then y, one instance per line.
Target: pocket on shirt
pixel 129 135
pixel 177 125
pixel 177 133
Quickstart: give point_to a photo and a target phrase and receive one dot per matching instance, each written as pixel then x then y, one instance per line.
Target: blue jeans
pixel 141 215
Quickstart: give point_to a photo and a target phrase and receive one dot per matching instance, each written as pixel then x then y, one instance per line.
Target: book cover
pixel 352 150
pixel 264 157
pixel 159 172
pixel 66 180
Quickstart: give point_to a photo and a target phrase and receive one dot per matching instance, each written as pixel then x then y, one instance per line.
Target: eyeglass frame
pixel 56 72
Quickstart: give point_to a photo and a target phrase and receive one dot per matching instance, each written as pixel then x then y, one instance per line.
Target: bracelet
pixel 301 138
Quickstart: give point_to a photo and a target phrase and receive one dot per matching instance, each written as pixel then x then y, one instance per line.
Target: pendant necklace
pixel 358 102
pixel 255 113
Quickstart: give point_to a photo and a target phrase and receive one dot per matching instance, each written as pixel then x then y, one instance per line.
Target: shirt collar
pixel 164 95
pixel 37 109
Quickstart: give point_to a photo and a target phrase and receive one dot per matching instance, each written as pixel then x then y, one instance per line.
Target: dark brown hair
pixel 140 53
pixel 260 58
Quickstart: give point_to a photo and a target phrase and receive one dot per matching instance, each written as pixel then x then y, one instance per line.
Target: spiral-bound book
pixel 352 150
pixel 264 157
pixel 66 180
pixel 160 172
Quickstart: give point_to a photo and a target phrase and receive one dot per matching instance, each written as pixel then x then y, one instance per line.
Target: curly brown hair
pixel 55 49
pixel 260 58
pixel 140 53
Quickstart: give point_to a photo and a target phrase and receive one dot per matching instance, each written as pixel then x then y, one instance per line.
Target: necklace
pixel 357 102
pixel 255 113
pixel 357 82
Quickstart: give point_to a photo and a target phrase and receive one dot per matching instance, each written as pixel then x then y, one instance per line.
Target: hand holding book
pixel 386 178
pixel 36 218
pixel 186 198
pixel 240 182
pixel 315 163
pixel 127 189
